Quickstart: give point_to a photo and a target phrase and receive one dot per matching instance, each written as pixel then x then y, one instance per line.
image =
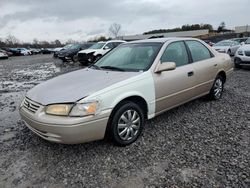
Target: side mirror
pixel 106 48
pixel 242 43
pixel 165 66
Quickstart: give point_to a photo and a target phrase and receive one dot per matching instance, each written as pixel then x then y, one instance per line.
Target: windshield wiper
pixel 112 68
pixel 95 66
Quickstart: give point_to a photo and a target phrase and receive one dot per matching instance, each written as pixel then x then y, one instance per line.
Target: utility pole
pixel 247 33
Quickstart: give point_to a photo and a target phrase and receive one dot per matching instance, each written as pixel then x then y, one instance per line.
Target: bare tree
pixel 58 43
pixel 115 29
pixel 71 41
pixel 11 40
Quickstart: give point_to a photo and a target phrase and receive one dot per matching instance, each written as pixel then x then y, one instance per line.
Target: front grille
pixel 247 53
pixel 30 105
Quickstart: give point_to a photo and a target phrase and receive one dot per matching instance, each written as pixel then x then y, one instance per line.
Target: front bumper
pixel 65 58
pixel 86 58
pixel 79 131
pixel 243 59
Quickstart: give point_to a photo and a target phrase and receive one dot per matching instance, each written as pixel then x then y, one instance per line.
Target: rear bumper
pixel 65 133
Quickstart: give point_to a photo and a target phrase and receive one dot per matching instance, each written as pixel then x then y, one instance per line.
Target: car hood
pixel 67 51
pixel 76 85
pixel 87 51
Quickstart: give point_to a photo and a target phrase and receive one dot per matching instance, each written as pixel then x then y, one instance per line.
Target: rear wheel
pixel 126 124
pixel 217 89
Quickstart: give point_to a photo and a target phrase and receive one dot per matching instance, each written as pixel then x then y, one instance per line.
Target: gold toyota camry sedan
pixel 115 96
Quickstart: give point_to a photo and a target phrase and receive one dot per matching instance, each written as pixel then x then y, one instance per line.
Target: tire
pixel 237 63
pixel 217 89
pixel 126 123
pixel 75 58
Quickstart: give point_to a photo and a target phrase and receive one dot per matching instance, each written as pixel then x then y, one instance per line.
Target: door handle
pixel 191 73
pixel 215 65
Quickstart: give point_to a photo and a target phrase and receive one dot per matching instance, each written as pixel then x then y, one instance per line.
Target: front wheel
pixel 126 124
pixel 75 58
pixel 237 63
pixel 217 89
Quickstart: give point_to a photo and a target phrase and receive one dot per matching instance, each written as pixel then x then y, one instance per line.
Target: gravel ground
pixel 200 144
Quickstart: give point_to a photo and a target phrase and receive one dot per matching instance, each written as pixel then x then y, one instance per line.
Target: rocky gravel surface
pixel 200 144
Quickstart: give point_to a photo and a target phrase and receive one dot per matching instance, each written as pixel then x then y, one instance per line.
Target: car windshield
pixel 130 57
pixel 98 45
pixel 224 43
pixel 247 41
pixel 75 46
pixel 67 46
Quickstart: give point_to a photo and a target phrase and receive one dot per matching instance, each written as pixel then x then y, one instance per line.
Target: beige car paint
pixel 174 87
pixel 161 90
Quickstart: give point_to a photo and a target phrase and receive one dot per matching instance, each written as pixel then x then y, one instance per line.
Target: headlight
pixel 240 52
pixel 85 109
pixel 59 109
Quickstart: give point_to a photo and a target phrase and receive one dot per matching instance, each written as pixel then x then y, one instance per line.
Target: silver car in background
pixel 242 56
pixel 227 46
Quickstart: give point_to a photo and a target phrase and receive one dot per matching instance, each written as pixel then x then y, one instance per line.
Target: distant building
pixel 195 33
pixel 242 29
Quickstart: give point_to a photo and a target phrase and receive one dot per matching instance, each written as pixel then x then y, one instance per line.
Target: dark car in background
pixel 57 50
pixel 13 51
pixel 46 51
pixel 70 54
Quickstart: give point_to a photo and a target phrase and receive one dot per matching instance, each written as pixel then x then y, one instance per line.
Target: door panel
pixel 205 67
pixel 173 87
pixel 205 72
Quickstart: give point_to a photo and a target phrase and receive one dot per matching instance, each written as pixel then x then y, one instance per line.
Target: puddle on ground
pixel 28 77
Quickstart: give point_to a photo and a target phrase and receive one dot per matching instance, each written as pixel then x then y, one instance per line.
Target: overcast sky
pixel 85 19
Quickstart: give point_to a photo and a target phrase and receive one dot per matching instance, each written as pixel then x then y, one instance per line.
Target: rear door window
pixel 198 51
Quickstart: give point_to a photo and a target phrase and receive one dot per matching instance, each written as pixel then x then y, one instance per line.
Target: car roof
pixel 111 41
pixel 162 40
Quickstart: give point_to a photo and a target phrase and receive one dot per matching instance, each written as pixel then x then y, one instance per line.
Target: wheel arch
pixel 140 101
pixel 222 73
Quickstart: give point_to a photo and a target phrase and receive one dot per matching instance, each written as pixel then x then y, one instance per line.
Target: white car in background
pixel 24 51
pixel 242 55
pixel 3 55
pixel 96 51
pixel 227 46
